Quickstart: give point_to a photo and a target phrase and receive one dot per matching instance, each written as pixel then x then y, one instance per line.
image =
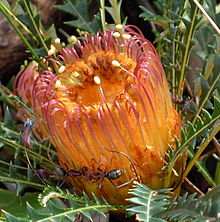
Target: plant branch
pixel 15 145
pixel 116 12
pixel 102 11
pixel 197 155
pixel 183 147
pixel 207 16
pixel 35 26
pixel 13 180
pixel 4 12
pixel 32 141
pixel 205 99
pixel 186 54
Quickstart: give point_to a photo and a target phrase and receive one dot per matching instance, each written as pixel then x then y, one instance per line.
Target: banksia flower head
pixel 23 84
pixel 106 106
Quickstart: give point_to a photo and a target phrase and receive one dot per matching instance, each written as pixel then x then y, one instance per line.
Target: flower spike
pixel 107 111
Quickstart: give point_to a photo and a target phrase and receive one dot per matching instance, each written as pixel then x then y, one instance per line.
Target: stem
pixel 35 26
pixel 168 177
pixel 116 12
pixel 205 99
pixel 102 11
pixel 207 71
pixel 173 62
pixel 207 16
pixel 7 130
pixel 197 155
pixel 217 174
pixel 6 99
pixel 80 16
pixel 196 189
pixel 4 12
pixel 21 103
pixel 9 97
pixel 15 166
pixel 18 21
pixel 15 146
pixel 186 55
pixel 183 147
pixel 13 180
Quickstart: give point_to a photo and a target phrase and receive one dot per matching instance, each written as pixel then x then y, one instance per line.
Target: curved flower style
pixel 108 112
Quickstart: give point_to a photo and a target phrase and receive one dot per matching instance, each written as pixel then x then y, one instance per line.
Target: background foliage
pixel 187 39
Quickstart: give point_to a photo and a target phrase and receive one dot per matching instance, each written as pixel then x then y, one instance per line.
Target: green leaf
pixel 87 215
pixel 199 123
pixel 204 83
pixel 51 32
pixel 211 8
pixel 191 129
pixel 55 209
pixel 216 111
pixel 16 204
pixel 216 70
pixel 86 199
pixel 40 51
pixel 112 12
pixel 208 105
pixel 200 129
pixel 150 202
pixel 213 194
pixel 8 121
pixel 25 20
pixel 79 9
pixel 17 9
pixel 192 208
pixel 6 4
pixel 207 116
pixel 160 20
pixel 34 214
pixel 11 218
pixel 95 23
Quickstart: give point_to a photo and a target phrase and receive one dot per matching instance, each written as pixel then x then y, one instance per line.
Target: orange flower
pixel 108 112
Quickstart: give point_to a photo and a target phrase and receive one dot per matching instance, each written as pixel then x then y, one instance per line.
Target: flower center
pixel 77 85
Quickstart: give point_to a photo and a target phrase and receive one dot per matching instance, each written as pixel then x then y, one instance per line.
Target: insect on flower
pixel 112 175
pixel 47 176
pixel 183 103
pixel 109 90
pixel 27 133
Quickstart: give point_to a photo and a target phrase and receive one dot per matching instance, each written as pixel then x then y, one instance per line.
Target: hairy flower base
pixel 108 109
pixel 144 163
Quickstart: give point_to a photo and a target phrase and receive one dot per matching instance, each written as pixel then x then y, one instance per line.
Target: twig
pixel 195 188
pixel 207 16
pixel 216 145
